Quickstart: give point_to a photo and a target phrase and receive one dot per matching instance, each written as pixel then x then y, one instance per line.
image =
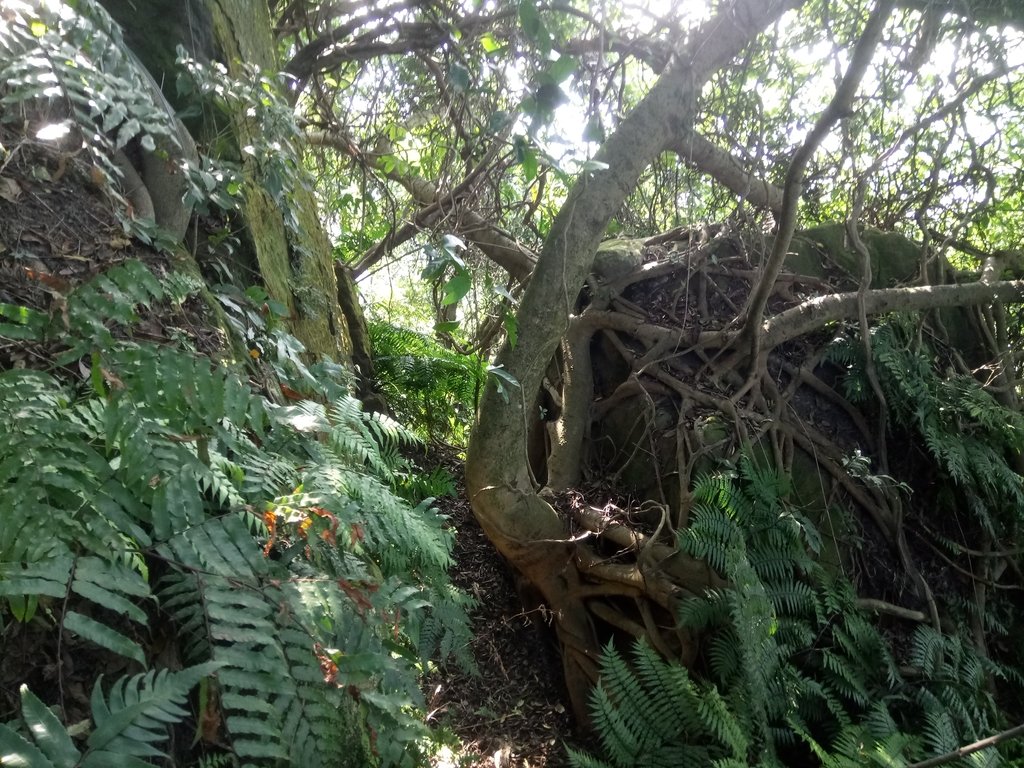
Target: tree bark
pixel 297 268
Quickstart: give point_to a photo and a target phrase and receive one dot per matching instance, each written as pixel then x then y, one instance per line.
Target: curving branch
pixel 702 155
pixel 838 108
pixel 499 247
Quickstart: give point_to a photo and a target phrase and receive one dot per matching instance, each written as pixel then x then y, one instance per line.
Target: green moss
pixel 824 250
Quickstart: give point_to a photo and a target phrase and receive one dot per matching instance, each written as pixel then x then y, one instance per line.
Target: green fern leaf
pixel 103 635
pixel 50 736
pixel 19 751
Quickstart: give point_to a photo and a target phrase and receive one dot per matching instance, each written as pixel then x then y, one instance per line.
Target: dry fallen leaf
pixel 10 190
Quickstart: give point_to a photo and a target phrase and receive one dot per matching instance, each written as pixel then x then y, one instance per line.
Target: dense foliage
pixel 807 455
pixel 281 555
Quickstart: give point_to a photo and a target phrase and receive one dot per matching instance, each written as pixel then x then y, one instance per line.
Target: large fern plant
pixel 791 671
pixel 429 387
pixel 273 536
pixel 147 485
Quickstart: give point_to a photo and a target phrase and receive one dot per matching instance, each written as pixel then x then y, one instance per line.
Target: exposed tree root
pixel 647 401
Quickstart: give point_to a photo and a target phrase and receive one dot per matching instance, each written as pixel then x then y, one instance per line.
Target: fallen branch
pixel 970 749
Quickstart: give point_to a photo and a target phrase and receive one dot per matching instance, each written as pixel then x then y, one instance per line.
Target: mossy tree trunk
pixel 295 263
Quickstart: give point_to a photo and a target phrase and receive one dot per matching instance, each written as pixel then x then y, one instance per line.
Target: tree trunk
pixel 522 524
pixel 295 264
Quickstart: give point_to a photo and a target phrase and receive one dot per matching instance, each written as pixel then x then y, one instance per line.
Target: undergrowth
pixel 287 549
pixel 275 537
pixel 431 388
pixel 792 671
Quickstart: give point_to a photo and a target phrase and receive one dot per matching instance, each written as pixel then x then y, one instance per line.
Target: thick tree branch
pixel 700 154
pixel 498 477
pixel 838 108
pixel 569 249
pixel 817 312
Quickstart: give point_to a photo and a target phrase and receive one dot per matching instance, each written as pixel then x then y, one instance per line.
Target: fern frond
pixel 127 723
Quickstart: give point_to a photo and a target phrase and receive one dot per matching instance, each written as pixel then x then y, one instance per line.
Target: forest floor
pixel 512 712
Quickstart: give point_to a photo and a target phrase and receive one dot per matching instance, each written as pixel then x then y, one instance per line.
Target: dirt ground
pixel 514 713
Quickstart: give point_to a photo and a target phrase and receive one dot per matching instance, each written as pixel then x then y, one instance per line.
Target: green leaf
pixel 456 288
pixel 103 636
pixel 128 132
pixel 511 328
pixel 502 379
pixel 50 735
pixel 23 607
pixel 497 120
pixel 103 759
pixel 594 131
pixel 529 162
pixel 533 26
pixel 17 752
pixel 593 165
pixel 447 327
pixel 458 76
pixel 489 44
pixel 25 324
pixel 559 70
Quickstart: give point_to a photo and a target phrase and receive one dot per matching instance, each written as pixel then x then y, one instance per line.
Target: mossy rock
pixel 825 250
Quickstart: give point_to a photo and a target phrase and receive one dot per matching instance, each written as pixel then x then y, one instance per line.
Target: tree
pixel 286 244
pixel 763 115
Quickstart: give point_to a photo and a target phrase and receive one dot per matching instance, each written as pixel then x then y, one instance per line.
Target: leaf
pixel 18 752
pixel 594 130
pixel 533 26
pixel 447 327
pixel 103 636
pixel 458 76
pixel 452 244
pixel 23 607
pixel 104 759
pixel 50 735
pixel 489 44
pixel 529 162
pixel 511 328
pixel 456 288
pixel 504 292
pixel 559 70
pixel 502 378
pixel 593 165
pixel 25 323
pixel 128 132
pixel 497 121
pixel 10 190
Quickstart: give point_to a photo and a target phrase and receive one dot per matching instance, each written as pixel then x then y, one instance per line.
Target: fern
pixel 964 429
pixel 648 714
pixel 128 722
pixel 428 386
pixel 168 455
pixel 79 62
pixel 792 670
